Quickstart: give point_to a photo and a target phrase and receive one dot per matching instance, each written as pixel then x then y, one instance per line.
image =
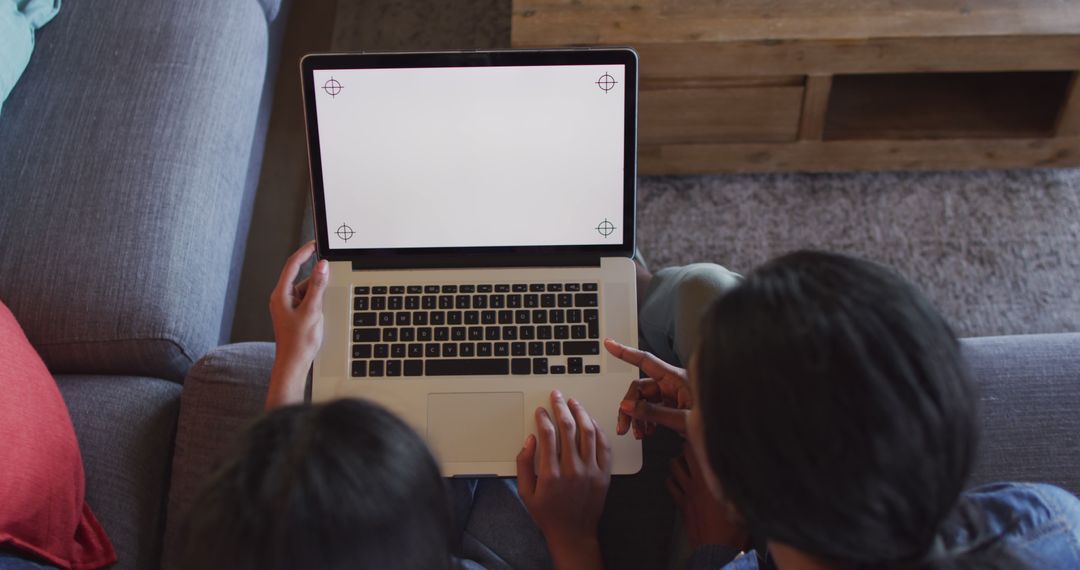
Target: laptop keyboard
pixel 464 330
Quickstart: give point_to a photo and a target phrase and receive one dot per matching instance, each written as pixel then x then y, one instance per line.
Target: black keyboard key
pixel 488 317
pixel 467 289
pixel 397 290
pixel 442 333
pixel 386 319
pixel 573 316
pixel 539 366
pixel 586 300
pixel 365 335
pixel 453 317
pixel 402 319
pixel 414 367
pixel 520 366
pixel 592 369
pixel 506 317
pixel 414 289
pixel 517 349
pixel 553 348
pixel 497 301
pixel 420 318
pixel 509 333
pixel 449 288
pixel 375 368
pixel 472 317
pixel 362 290
pixel 379 290
pixel 438 318
pixel 389 335
pixel 521 316
pixel 531 301
pixel 556 316
pixel 491 333
pixel 578 331
pixel 394 303
pixel 575 347
pixel 467 349
pixel 502 288
pixel 527 333
pixel 393 368
pixel 539 316
pixel 412 302
pixel 458 333
pixel 397 350
pixel 483 349
pixel 556 287
pixel 513 301
pixel 430 289
pixel 382 351
pixel 431 350
pixel 462 302
pixel 502 349
pixel 361 351
pixel 360 304
pixel 479 301
pixel 483 288
pixel 446 301
pixel 359 368
pixel 467 367
pixel 407 334
pixel 429 302
pixel 536 287
pixel 519 287
pixel 476 333
pixel 543 332
pixel 588 287
pixel 573 365
pixel 364 319
pixel 423 334
pixel 573 286
pixel 536 348
pixel 449 350
pixel 592 320
pixel 416 350
pixel 562 332
pixel 378 303
pixel 547 300
pixel 566 300
pixel 559 369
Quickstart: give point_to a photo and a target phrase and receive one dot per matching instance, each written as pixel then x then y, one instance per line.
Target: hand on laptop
pixel 296 310
pixel 563 480
pixel 664 398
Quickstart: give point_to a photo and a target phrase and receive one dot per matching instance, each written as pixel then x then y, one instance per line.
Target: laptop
pixel 477 210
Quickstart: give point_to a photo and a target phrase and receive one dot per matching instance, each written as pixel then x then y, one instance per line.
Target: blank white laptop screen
pixel 472 156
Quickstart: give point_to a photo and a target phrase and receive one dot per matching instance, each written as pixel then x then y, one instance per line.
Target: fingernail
pixel 556 394
pixel 626 406
pixel 571 402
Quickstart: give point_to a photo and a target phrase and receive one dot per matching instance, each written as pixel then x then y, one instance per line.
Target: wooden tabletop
pixel 573 22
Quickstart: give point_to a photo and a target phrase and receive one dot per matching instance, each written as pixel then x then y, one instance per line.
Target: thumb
pixel 666 416
pixel 526 471
pixel 320 277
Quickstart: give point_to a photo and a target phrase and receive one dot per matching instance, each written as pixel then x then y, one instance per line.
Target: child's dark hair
pixel 839 415
pixel 330 486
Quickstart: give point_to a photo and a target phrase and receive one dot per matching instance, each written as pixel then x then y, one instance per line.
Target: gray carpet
pixel 998 252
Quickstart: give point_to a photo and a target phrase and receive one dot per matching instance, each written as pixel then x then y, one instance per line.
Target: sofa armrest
pixel 223 392
pixel 1030 393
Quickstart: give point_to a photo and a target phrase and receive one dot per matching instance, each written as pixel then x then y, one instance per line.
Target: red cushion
pixel 43 511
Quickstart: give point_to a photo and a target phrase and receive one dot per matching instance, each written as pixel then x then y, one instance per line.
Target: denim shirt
pixel 1039 524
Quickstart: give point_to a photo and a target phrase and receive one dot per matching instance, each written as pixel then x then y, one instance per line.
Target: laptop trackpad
pixel 476 427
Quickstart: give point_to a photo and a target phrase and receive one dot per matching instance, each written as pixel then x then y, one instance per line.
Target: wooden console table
pixel 821 85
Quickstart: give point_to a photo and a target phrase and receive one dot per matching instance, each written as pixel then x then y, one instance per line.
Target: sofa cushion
pixel 123 181
pixel 42 484
pixel 125 426
pixel 1030 392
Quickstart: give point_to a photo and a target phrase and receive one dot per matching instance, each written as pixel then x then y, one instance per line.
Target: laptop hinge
pixel 465 261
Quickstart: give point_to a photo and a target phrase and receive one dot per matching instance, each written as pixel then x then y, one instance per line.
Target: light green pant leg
pixel 670 316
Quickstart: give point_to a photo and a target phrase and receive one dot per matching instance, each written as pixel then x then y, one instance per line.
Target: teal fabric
pixel 19 19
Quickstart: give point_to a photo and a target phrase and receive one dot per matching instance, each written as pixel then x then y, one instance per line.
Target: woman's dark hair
pixel 329 486
pixel 839 415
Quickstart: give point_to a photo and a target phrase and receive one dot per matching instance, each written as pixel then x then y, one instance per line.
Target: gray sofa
pixel 1030 393
pixel 129 156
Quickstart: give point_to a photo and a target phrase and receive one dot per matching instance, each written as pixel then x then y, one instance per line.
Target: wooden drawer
pixel 719 111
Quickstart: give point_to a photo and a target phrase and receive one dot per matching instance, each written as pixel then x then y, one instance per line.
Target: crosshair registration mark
pixel 606 82
pixel 605 228
pixel 332 87
pixel 344 232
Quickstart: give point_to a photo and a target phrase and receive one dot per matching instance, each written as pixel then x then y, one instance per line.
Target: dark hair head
pixel 838 413
pixel 330 486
